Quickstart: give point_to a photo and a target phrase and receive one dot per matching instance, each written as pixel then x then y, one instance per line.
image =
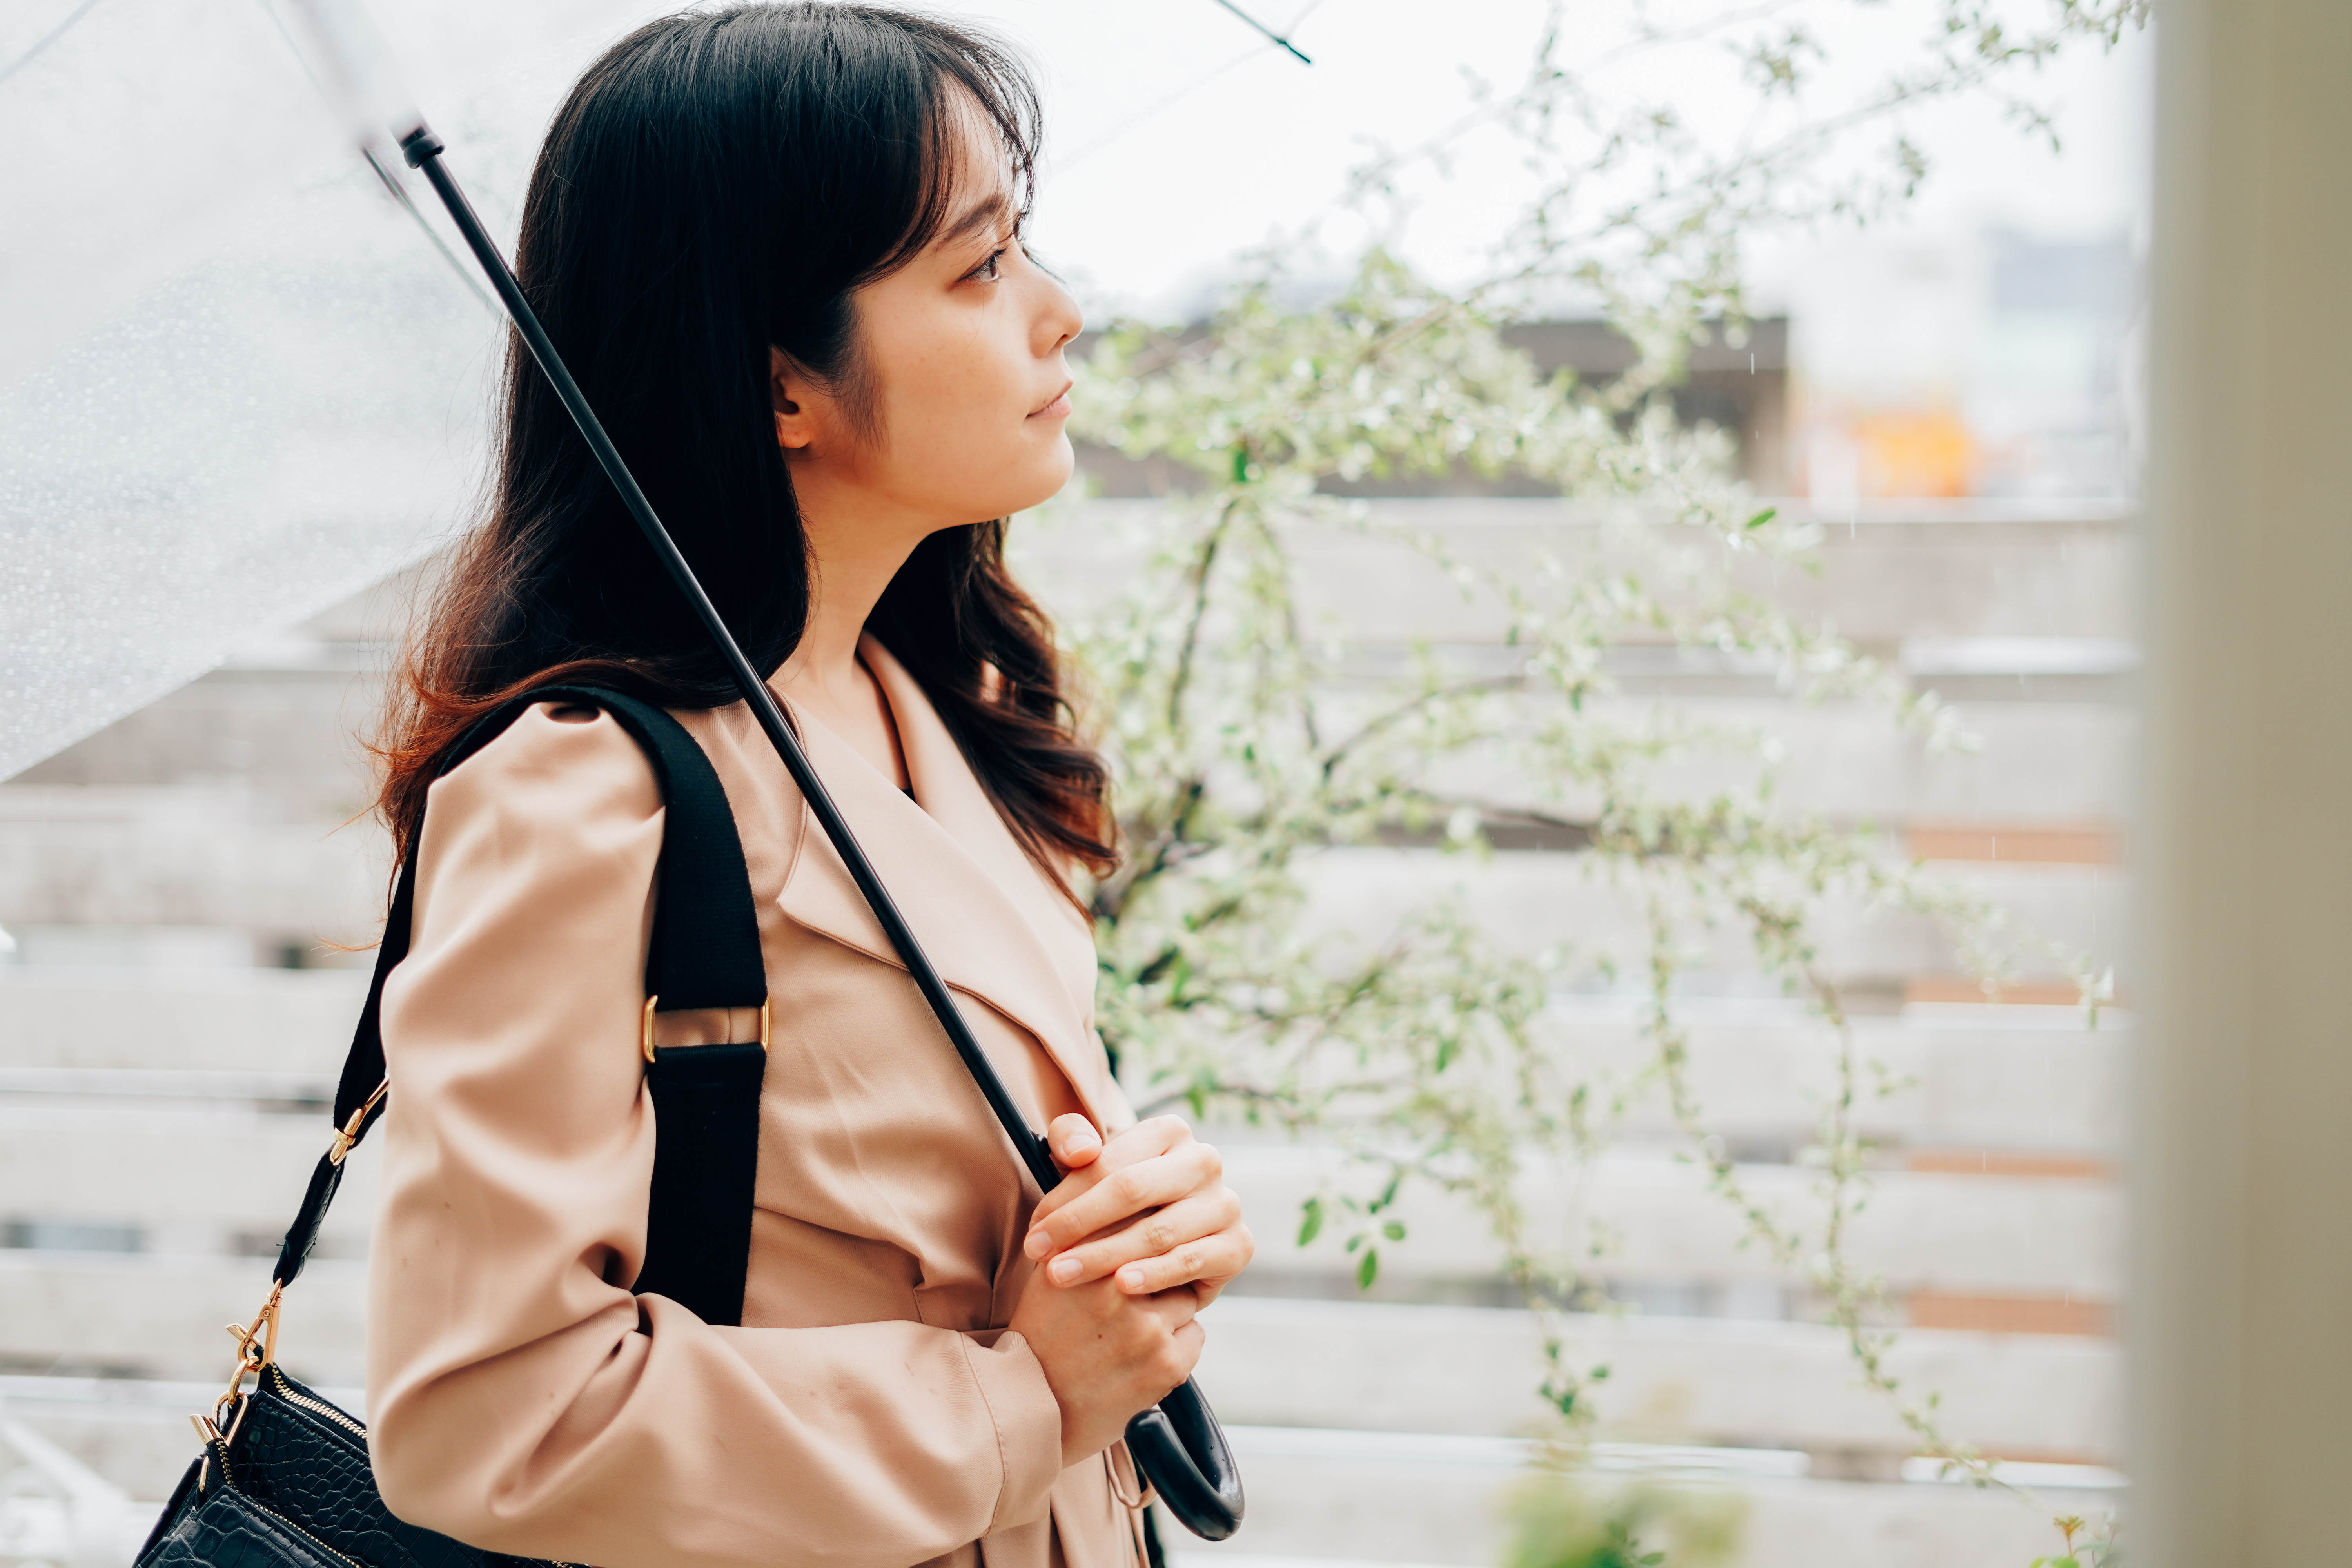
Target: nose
pixel 1056 317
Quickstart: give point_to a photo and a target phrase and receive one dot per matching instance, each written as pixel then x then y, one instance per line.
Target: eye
pixel 990 270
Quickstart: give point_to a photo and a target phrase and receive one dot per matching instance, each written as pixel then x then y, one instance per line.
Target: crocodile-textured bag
pixel 283 1480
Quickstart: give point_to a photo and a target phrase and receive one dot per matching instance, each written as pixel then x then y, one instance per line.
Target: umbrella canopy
pixel 236 386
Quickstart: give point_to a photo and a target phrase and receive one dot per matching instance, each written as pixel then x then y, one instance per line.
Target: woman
pixel 779 247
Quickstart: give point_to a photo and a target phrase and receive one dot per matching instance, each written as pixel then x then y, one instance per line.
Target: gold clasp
pixel 349 1134
pixel 646 1026
pixel 256 1347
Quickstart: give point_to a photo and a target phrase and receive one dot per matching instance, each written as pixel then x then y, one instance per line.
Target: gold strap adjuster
pixel 349 1134
pixel 646 1026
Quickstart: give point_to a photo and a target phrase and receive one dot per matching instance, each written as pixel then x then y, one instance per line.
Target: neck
pixel 849 567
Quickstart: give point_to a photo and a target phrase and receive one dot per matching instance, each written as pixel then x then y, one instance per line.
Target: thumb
pixel 1074 1141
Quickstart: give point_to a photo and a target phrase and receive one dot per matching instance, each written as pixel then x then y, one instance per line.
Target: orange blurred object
pixel 1913 454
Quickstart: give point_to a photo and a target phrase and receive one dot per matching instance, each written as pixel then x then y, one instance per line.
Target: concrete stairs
pixel 162 1086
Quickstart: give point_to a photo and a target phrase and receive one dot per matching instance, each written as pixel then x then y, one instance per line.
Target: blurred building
pixel 1739 383
pixel 1987 363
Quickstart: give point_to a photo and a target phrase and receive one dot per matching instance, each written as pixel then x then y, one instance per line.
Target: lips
pixel 1057 409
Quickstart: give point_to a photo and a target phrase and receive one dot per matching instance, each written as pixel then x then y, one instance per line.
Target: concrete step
pixel 311 884
pixel 1527 901
pixel 1760 1068
pixel 1329 1499
pixel 313 880
pixel 214 1020
pixel 189 856
pixel 1637 1218
pixel 219 1178
pixel 1950 1076
pixel 2045 762
pixel 201 1177
pixel 1889 571
pixel 1376 1367
pixel 2057 762
pixel 1474 1371
pixel 290 737
pixel 1317 1498
pixel 161 1316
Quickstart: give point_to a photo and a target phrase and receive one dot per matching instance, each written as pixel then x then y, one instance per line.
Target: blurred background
pixel 244 401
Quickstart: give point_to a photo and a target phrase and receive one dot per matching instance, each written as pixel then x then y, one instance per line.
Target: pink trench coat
pixel 873 1409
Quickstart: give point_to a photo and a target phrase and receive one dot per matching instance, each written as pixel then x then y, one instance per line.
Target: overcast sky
pixel 1178 138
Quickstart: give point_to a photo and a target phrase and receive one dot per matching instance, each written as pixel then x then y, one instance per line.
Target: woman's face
pixel 964 387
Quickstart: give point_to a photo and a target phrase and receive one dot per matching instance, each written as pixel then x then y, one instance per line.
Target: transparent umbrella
pixel 236 386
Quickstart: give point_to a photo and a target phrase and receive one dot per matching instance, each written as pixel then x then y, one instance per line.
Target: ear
pixel 788 388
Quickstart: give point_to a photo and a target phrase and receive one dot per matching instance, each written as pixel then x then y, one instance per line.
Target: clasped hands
pixel 1140 1235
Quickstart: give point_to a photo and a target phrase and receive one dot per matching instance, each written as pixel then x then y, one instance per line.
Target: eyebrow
pixel 979 215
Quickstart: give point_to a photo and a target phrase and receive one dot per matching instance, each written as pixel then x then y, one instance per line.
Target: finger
pixel 1074 1141
pixel 1213 1258
pixel 1185 1345
pixel 1137 1145
pixel 1188 1219
pixel 1144 1141
pixel 1175 1309
pixel 1120 1194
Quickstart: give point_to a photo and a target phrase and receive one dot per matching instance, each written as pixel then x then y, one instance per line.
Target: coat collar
pixel 993 925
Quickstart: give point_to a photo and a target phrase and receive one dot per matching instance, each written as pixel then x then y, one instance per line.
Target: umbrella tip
pixel 420 144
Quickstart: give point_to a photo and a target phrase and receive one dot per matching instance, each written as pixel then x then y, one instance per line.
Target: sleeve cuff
pixel 1028 1426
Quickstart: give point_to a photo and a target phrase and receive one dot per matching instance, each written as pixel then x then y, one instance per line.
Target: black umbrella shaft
pixel 423 150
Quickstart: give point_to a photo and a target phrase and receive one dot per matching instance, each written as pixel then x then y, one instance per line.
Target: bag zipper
pixel 313 1539
pixel 286 1391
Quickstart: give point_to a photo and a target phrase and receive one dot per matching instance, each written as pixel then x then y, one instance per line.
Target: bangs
pixel 961 71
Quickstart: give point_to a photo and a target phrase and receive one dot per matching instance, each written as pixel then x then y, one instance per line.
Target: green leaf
pixel 1393 1230
pixel 1387 1194
pixel 1369 1269
pixel 1311 1225
pixel 1762 518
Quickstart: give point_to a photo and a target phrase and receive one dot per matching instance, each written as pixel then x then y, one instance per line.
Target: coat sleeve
pixel 521 1398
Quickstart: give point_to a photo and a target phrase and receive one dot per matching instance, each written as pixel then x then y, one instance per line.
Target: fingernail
pixel 1132 1278
pixel 1063 1270
pixel 1036 1244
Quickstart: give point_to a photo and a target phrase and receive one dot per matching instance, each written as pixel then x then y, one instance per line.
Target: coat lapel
pixel 993 926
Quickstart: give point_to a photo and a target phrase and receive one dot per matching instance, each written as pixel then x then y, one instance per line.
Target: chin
pixel 1042 482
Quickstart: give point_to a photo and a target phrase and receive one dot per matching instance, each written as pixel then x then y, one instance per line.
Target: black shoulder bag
pixel 283 1480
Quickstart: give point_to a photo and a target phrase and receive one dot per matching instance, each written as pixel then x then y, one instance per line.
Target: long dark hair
pixel 719 182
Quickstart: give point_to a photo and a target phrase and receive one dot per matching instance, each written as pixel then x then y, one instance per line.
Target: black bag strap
pixel 704 953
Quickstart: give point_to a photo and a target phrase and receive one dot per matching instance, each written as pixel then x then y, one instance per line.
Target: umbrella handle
pixel 1177 1445
pixel 1181 1451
